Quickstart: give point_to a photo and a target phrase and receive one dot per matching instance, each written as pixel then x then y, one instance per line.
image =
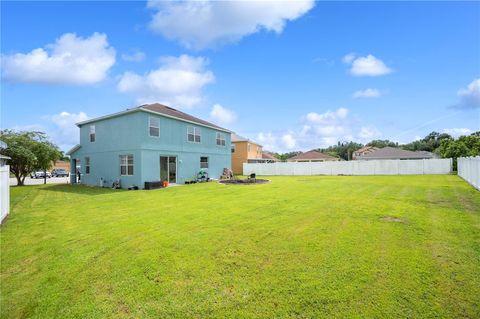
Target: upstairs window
pixel 193 134
pixel 154 126
pixel 126 165
pixel 220 139
pixel 248 147
pixel 87 165
pixel 203 162
pixel 92 133
pixel 233 148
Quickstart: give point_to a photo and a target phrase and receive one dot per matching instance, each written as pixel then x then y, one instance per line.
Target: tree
pixel 28 151
pixel 342 150
pixel 382 143
pixel 429 143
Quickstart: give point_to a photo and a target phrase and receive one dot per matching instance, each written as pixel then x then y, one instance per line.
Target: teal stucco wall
pixel 129 134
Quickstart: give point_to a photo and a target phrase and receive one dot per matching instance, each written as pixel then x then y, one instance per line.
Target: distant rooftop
pixel 312 155
pixel 395 153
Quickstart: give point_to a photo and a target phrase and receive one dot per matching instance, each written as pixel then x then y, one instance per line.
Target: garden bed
pixel 247 181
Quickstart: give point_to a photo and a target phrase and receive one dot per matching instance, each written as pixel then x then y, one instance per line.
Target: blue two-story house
pixel 148 143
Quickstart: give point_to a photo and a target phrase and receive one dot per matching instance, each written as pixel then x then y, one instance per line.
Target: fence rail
pixel 469 169
pixel 4 191
pixel 374 167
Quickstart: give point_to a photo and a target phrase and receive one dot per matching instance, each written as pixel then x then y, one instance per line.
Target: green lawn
pixel 298 247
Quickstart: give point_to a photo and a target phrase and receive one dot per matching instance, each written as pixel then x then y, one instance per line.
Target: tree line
pixel 442 144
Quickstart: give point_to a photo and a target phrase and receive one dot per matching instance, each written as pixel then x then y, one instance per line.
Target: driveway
pixel 33 181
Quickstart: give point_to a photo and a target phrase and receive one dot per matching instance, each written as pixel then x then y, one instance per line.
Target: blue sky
pixel 290 75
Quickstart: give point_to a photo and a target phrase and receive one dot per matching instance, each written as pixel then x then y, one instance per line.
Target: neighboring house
pixel 364 150
pixel 61 164
pixel 395 153
pixel 151 142
pixel 244 151
pixel 269 157
pixel 312 156
pixel 4 184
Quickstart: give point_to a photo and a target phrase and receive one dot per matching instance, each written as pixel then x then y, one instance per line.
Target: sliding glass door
pixel 168 169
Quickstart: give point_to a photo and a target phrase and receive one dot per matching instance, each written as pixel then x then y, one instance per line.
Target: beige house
pixel 247 151
pixel 363 151
pixel 312 156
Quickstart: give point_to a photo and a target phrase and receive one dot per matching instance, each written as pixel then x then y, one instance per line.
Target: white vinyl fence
pixel 469 169
pixel 4 191
pixel 374 167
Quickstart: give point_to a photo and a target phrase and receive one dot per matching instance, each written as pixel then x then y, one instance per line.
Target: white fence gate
pixel 4 191
pixel 374 167
pixel 469 169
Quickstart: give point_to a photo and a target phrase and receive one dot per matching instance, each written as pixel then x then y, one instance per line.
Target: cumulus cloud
pixel 222 115
pixel 367 93
pixel 177 82
pixel 456 132
pixel 137 56
pixel 70 60
pixel 318 130
pixel 60 128
pixel 469 96
pixel 63 129
pixel 289 141
pixel 366 66
pixel 202 24
pixel 348 58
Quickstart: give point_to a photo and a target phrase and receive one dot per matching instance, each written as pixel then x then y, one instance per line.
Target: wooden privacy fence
pixel 373 167
pixel 469 169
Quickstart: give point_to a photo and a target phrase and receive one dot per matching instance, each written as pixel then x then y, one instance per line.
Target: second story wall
pixel 131 131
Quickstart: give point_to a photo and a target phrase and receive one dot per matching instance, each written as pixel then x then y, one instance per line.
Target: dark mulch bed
pixel 249 181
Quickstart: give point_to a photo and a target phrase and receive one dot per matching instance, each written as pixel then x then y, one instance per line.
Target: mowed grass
pixel 298 247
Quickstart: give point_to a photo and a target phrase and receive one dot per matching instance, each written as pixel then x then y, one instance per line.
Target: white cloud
pixel 348 58
pixel 470 96
pixel 178 82
pixel 456 132
pixel 328 116
pixel 369 133
pixel 222 115
pixel 367 93
pixel 268 140
pixel 60 128
pixel 289 141
pixel 318 130
pixel 202 24
pixel 70 60
pixel 367 66
pixel 137 56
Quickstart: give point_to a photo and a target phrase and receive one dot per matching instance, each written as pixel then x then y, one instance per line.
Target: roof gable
pixel 311 155
pixel 161 110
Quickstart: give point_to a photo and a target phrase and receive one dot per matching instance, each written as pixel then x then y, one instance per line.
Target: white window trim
pixel 94 134
pixel 87 164
pixel 221 137
pixel 150 126
pixel 195 129
pixel 208 162
pixel 127 165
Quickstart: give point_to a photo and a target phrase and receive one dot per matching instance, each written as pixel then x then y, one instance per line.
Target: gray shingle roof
pixel 394 153
pixel 166 110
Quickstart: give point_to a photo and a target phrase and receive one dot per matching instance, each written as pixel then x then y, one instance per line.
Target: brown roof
pixel 267 155
pixel 394 153
pixel 166 110
pixel 312 155
pixel 238 138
